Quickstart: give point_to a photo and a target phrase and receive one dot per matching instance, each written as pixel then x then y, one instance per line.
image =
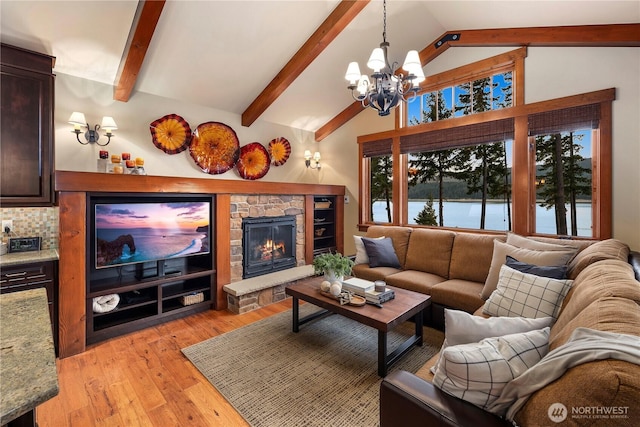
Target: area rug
pixel 324 375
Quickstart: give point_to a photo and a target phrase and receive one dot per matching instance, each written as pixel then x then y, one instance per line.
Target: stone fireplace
pixel 264 207
pixel 268 244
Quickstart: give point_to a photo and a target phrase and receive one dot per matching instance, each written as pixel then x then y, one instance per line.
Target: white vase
pixel 331 277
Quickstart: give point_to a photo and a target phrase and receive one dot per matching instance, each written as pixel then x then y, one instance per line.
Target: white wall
pixel 133 135
pixel 549 73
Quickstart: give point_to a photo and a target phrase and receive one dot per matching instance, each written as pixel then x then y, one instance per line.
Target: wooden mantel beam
pixel 614 35
pixel 142 29
pixel 337 21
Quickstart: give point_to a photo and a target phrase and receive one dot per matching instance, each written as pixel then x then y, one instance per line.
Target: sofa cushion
pixel 413 280
pixel 363 271
pixel 399 235
pixel 430 251
pixel 457 293
pixel 526 295
pixel 477 372
pixel 605 384
pixel 608 314
pixel 608 278
pixel 471 256
pixel 361 252
pixel 501 250
pixel 605 249
pixel 552 271
pixel 381 252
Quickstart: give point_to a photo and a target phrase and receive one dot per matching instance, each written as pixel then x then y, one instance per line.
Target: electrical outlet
pixel 7 223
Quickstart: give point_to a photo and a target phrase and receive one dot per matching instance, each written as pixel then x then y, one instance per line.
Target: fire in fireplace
pixel 269 244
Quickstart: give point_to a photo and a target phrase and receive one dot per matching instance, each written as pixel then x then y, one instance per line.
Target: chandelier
pixel 385 88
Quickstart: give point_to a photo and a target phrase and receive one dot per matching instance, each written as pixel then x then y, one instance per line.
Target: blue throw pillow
pixel 552 272
pixel 381 252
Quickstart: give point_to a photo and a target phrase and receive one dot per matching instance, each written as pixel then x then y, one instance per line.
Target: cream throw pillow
pixel 463 328
pixel 527 243
pixel 361 252
pixel 526 295
pixel 501 250
pixel 478 372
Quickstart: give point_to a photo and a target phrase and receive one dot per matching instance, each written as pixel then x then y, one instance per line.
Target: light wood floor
pixel 142 379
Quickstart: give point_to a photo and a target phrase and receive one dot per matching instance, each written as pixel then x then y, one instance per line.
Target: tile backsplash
pixel 33 222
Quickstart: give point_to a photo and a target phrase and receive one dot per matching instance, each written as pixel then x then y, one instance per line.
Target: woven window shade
pixel 565 120
pixel 382 147
pixel 461 136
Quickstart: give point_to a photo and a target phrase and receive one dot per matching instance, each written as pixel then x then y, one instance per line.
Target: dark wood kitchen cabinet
pixel 26 135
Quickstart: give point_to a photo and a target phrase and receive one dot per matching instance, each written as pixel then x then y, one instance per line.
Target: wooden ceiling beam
pixel 337 21
pixel 142 29
pixel 615 35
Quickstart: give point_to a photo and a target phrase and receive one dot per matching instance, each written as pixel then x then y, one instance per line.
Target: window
pixel 563 142
pixel 483 94
pixel 460 177
pixel 472 158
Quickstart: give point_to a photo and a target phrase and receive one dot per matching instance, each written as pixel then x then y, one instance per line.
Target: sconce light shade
pixel 78 121
pixel 108 124
pixel 308 157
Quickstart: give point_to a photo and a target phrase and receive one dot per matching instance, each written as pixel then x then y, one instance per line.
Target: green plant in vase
pixel 334 266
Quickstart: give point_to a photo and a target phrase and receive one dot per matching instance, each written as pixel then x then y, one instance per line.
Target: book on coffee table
pixel 379 297
pixel 357 286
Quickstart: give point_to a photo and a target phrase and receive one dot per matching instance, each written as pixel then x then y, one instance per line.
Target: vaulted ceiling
pixel 280 61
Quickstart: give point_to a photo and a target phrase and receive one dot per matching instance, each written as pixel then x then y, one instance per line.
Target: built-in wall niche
pixel 149 258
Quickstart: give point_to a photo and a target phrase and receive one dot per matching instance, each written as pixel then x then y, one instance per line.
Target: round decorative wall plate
pixel 214 147
pixel 253 162
pixel 280 150
pixel 171 133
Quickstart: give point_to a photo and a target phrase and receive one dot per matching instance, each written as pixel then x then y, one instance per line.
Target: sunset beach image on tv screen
pixel 128 233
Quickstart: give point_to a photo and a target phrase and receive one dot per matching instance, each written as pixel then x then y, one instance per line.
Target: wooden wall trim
pixel 72 274
pixel 223 252
pixel 111 183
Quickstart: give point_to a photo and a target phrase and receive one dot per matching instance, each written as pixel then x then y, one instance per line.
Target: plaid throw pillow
pixel 526 295
pixel 478 372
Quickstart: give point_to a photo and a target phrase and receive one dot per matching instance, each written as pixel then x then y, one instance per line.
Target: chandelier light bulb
pixel 363 85
pixel 412 62
pixel 376 60
pixel 353 73
pixel 419 77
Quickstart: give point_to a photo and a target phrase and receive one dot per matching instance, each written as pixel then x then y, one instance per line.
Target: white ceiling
pixel 222 54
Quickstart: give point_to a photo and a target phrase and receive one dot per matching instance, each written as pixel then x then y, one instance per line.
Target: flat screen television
pixel 140 230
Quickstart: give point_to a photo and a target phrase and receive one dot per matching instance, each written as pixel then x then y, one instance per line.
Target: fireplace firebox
pixel 269 244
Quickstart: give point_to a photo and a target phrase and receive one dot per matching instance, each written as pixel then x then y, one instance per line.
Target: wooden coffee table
pixel 406 305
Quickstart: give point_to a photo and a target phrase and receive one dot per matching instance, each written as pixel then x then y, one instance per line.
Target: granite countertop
pixel 28 374
pixel 28 257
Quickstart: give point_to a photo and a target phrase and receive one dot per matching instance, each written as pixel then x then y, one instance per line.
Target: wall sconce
pixel 91 135
pixel 308 158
